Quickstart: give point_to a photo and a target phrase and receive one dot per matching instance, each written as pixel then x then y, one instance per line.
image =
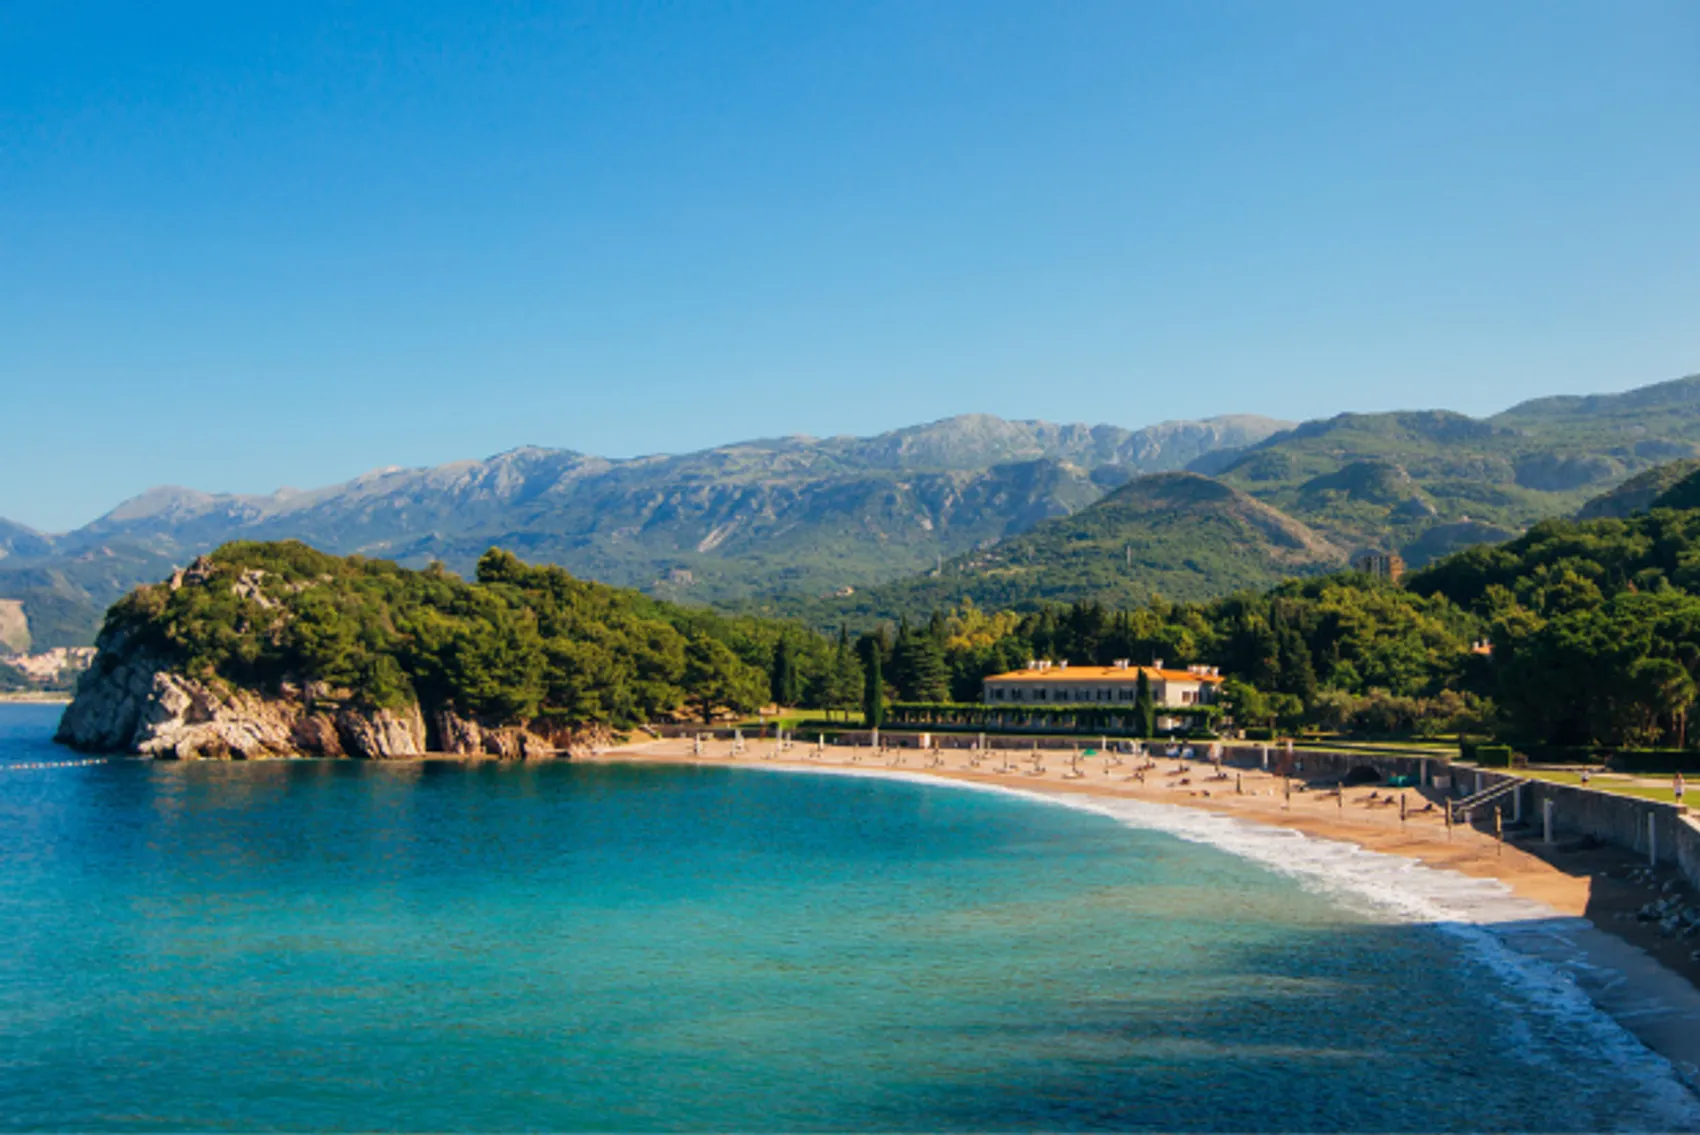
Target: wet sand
pixel 1648 982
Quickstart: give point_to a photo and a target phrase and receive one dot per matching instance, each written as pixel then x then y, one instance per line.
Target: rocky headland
pixel 152 691
pixel 141 705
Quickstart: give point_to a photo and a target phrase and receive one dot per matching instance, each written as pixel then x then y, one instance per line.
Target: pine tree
pixel 715 677
pixel 924 674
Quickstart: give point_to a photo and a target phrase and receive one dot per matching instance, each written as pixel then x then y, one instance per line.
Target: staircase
pixel 1498 791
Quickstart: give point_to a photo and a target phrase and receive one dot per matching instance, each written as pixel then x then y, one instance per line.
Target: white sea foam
pixel 1550 963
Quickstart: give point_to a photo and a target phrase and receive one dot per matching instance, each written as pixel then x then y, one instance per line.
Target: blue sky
pixel 246 245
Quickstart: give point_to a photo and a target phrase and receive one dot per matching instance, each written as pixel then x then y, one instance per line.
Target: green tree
pixel 783 677
pixel 843 678
pixel 919 668
pixel 1247 703
pixel 716 678
pixel 873 688
pixel 1144 709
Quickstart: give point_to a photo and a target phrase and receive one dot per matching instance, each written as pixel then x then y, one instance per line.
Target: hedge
pixel 1083 718
pixel 1493 756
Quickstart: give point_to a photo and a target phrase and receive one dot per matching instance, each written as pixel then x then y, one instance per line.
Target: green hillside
pixel 1429 482
pixel 1684 491
pixel 1639 492
pixel 1181 535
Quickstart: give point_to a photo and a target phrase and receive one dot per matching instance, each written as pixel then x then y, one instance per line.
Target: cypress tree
pixel 783 678
pixel 873 691
pixel 902 655
pixel 1144 709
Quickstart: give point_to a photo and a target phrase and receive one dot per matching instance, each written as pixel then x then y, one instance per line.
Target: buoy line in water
pixel 32 765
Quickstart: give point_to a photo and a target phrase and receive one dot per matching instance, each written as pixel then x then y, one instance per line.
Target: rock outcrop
pixel 139 706
pixel 467 736
pixel 133 703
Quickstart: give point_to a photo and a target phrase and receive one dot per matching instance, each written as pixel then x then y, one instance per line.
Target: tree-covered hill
pixel 1683 492
pixel 1426 483
pixel 1595 626
pixel 1639 492
pixel 517 644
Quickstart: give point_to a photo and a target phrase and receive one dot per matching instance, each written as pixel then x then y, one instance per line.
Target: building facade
pixel 1058 683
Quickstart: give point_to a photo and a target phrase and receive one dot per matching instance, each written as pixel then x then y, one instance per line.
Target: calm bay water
pixel 339 945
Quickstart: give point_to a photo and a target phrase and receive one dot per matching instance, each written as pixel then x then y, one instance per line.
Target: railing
pixel 1486 796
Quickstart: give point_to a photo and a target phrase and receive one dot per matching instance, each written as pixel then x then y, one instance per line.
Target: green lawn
pixel 1641 787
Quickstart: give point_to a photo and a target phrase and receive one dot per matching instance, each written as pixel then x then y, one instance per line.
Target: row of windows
pixel 1076 696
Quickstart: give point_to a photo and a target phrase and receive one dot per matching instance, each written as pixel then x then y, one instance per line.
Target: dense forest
pixel 1576 633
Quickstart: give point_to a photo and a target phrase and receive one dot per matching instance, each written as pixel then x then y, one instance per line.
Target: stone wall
pixel 1646 827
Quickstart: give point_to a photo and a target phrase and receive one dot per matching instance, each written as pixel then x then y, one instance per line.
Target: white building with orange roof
pixel 1058 683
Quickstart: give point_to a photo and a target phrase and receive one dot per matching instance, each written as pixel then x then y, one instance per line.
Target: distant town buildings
pixel 1057 683
pixel 1373 561
pixel 50 669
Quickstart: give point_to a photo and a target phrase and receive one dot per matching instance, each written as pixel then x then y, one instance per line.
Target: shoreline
pixel 1569 914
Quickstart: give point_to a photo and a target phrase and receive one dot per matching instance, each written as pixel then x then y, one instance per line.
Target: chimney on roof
pixel 1063 665
pixel 1032 663
pixel 1156 664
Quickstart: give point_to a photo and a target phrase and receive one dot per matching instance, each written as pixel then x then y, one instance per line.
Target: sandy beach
pixel 1646 981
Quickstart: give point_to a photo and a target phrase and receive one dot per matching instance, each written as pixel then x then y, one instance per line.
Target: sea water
pixel 438 946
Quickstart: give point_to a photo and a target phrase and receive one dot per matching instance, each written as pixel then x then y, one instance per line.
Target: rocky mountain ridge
pixel 779 514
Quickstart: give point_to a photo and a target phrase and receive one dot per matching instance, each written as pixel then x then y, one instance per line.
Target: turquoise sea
pixel 319 945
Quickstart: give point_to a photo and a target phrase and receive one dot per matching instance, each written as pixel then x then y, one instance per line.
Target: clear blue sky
pixel 249 245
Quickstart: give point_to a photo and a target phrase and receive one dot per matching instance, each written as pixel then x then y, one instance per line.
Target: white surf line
pixel 1641 1020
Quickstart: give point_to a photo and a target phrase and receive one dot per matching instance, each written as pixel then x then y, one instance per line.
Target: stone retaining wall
pixel 1649 828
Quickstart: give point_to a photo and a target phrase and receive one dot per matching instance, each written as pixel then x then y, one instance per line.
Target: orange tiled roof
pixel 1101 674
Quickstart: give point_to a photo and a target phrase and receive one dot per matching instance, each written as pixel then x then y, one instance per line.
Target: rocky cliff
pixel 139 705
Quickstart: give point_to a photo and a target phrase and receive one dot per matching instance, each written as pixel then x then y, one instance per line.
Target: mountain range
pixel 788 515
pixel 1005 512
